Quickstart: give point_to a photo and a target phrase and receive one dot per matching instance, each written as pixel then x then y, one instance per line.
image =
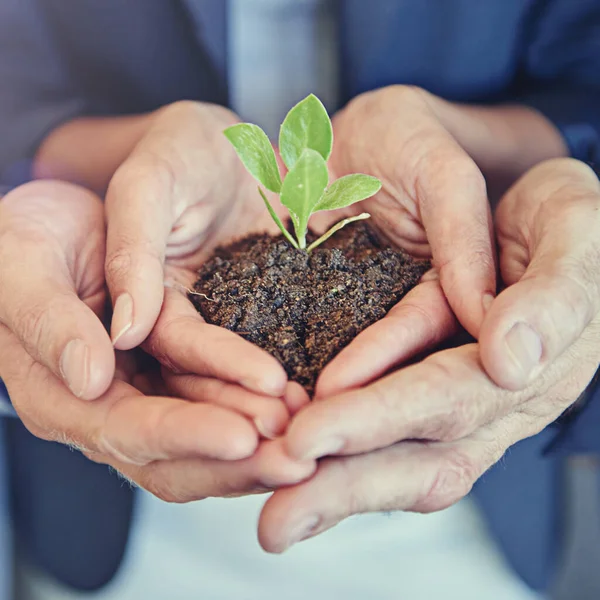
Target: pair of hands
pixel 181 192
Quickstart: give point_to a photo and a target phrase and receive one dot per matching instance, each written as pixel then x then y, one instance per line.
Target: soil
pixel 304 308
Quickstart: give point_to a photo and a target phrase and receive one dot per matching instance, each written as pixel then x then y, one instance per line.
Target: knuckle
pixel 579 292
pixel 160 485
pixel 181 108
pixel 162 482
pixel 186 109
pixel 453 481
pixel 464 418
pixel 129 257
pixel 472 176
pixel 576 302
pixel 406 94
pixel 118 263
pixel 161 338
pixel 453 416
pixel 30 324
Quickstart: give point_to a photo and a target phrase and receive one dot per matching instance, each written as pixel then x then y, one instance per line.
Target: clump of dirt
pixel 304 308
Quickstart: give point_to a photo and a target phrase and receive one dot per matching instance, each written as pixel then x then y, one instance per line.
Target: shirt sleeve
pixel 36 95
pixel 560 74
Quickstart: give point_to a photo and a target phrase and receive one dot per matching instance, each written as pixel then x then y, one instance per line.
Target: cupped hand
pixel 419 438
pixel 179 451
pixel 52 292
pixel 54 351
pixel 432 156
pixel 181 192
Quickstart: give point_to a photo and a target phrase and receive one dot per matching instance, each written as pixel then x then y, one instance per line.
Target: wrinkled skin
pixel 419 438
pixel 181 192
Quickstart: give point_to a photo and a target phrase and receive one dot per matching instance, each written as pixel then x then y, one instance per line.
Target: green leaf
pixel 256 152
pixel 335 228
pixel 277 220
pixel 348 190
pixel 307 125
pixel 302 189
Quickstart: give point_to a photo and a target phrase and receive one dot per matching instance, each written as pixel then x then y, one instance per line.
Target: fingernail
pixel 525 348
pixel 302 530
pixel 262 386
pixel 263 430
pixel 75 366
pixel 122 317
pixel 324 448
pixel 487 301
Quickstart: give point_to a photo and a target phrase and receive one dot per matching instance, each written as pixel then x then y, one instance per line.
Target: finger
pixel 295 397
pixel 275 468
pixel 142 429
pixel 39 300
pixel 536 319
pixel 190 480
pixel 163 186
pixel 184 343
pixel 411 476
pixel 420 321
pixel 122 423
pixel 270 415
pixel 452 197
pixel 139 215
pixel 445 397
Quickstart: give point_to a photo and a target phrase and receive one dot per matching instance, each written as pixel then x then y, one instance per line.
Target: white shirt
pixel 281 50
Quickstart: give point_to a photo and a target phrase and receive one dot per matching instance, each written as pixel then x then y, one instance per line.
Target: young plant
pixel 305 143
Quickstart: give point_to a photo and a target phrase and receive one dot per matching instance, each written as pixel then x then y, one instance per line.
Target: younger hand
pixel 181 192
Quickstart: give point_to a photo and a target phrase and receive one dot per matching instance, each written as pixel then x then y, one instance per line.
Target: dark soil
pixel 304 308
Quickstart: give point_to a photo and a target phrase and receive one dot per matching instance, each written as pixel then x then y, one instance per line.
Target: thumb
pixel 39 299
pixel 457 218
pixel 536 319
pixel 139 222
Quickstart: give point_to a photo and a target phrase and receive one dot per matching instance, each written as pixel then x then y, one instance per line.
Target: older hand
pixel 51 300
pixel 432 157
pixel 418 439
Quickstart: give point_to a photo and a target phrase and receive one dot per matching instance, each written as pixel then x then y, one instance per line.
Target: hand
pixel 179 451
pixel 431 156
pixel 51 301
pixel 181 192
pixel 418 439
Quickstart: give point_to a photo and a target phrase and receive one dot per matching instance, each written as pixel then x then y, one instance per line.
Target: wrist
pixel 88 150
pixel 505 141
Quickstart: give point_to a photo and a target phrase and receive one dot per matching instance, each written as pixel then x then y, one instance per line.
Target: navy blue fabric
pixel 579 433
pixel 63 58
pixel 521 500
pixel 544 53
pixel 72 516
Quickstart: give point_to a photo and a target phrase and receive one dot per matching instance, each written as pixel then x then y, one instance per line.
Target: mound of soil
pixel 304 308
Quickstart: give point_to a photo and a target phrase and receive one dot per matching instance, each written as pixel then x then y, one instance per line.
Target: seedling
pixel 305 143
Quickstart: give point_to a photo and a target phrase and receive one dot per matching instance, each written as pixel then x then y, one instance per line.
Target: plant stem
pixel 302 241
pixel 335 228
pixel 277 220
